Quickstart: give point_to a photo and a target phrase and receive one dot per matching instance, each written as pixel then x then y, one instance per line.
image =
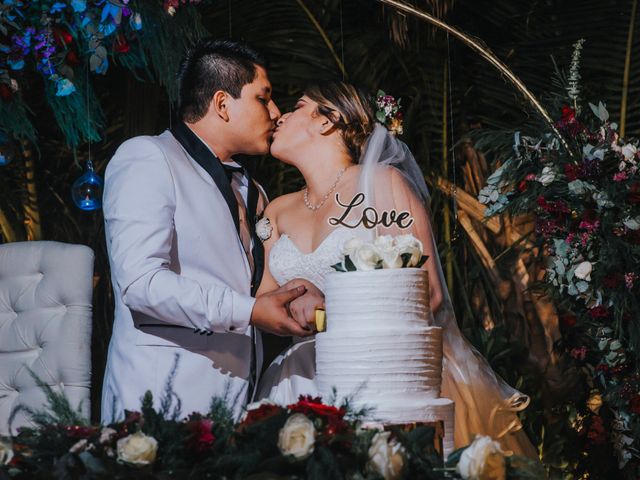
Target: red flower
pixel 72 59
pixel 5 92
pixel 568 320
pixel 61 36
pixel 635 404
pixel 568 114
pixel 120 44
pixel 201 438
pixel 308 405
pixel 522 186
pixel 571 171
pixel 613 280
pixel 597 433
pixel 599 312
pixel 634 193
pixel 76 431
pixel 261 413
pixel 332 415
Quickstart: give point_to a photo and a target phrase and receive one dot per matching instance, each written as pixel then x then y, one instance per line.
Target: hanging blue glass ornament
pixel 87 190
pixel 5 150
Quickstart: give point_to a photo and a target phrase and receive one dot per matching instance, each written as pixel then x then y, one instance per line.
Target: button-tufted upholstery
pixel 45 324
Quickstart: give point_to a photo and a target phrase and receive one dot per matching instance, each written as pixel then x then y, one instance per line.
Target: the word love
pixel 370 217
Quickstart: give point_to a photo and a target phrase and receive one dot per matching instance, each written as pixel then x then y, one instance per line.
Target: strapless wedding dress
pixel 293 372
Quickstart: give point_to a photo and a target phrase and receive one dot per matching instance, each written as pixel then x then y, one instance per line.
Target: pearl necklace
pixel 313 208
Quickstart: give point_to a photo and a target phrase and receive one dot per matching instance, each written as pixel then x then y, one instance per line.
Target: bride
pixel 333 139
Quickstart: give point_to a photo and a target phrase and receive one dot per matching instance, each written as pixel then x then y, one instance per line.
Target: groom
pixel 185 260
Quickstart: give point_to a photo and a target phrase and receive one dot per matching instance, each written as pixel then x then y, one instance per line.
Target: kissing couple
pixel 193 276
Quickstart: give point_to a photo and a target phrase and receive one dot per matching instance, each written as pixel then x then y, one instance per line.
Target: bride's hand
pixel 303 309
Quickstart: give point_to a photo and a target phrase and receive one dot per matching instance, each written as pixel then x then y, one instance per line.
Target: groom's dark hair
pixel 212 65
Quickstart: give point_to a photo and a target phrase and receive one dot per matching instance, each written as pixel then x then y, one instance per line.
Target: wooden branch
pixel 31 211
pixel 481 249
pixel 8 232
pixel 475 210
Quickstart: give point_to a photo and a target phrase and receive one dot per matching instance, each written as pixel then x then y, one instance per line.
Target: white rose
pixel 411 245
pixel 137 449
pixel 384 242
pixel 366 257
pixel 390 255
pixel 6 450
pixel 547 176
pixel 386 457
pixel 583 271
pixel 297 437
pixel 632 223
pixel 482 460
pixel 351 245
pixel 629 151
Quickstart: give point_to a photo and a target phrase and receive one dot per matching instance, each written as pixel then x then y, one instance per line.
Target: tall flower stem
pixel 627 69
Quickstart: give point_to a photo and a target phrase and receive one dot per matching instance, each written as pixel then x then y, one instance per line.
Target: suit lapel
pixel 207 160
pixel 258 250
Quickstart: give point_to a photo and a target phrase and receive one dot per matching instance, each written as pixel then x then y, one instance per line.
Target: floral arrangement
pixel 62 40
pixel 307 439
pixel 402 251
pixel 388 112
pixel 583 189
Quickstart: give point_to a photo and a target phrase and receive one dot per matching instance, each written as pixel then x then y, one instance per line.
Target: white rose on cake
pixel 386 456
pixel 410 245
pixel 137 449
pixel 366 257
pixel 297 437
pixel 482 460
pixel 388 251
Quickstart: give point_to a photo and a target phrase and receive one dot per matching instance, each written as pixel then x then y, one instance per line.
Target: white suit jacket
pixel 177 265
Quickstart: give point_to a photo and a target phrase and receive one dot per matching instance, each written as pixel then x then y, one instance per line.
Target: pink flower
pixel 629 279
pixel 620 177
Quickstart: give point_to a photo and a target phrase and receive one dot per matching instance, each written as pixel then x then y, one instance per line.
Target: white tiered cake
pixel 380 346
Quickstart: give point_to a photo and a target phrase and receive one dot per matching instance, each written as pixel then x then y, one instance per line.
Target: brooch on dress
pixel 264 229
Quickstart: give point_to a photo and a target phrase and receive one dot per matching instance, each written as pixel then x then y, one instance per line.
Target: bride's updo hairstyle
pixel 350 110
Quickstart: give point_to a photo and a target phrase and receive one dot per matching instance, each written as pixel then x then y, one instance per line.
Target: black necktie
pixel 229 170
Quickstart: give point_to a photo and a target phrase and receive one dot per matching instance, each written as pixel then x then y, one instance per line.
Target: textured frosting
pixel 380 349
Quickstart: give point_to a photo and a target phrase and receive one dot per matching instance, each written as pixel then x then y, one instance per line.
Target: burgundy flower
pixel 634 404
pixel 634 193
pixel 599 312
pixel 613 280
pixel 568 114
pixel 201 438
pixel 120 45
pixel 522 186
pixel 261 413
pixel 579 353
pixel 597 433
pixel 571 171
pixel 568 320
pixel 5 92
pixel 309 405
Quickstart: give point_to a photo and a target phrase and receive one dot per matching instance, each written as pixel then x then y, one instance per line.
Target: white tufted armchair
pixel 45 325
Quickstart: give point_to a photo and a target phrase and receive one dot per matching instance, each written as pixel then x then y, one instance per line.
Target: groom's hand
pixel 270 312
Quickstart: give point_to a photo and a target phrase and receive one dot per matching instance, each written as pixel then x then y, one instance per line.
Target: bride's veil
pixel 485 404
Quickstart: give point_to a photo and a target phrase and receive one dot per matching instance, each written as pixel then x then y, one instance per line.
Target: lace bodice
pixel 287 262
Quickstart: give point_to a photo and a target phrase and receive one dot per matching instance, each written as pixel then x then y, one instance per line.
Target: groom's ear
pixel 220 105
